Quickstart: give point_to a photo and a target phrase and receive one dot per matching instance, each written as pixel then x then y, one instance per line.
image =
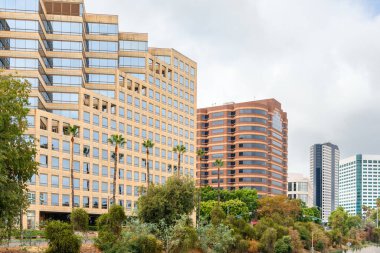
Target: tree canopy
pixel 17 152
pixel 167 202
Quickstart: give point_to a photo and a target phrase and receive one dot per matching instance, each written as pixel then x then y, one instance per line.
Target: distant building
pixel 359 182
pixel 300 187
pixel 251 138
pixel 324 173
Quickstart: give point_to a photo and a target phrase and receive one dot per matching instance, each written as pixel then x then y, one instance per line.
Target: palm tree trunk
pixel 72 173
pixel 147 169
pixel 179 164
pixel 114 177
pixel 218 186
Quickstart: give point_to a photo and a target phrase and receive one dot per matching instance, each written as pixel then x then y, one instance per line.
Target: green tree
pixel 184 236
pixel 218 163
pixel 179 150
pixel 217 215
pixel 79 219
pixel 310 213
pixel 248 196
pixel 17 152
pixel 237 208
pixel 73 132
pixel 283 245
pixel 110 227
pixel 216 239
pixel 268 239
pixel 168 201
pixel 200 154
pixel 61 238
pixel 148 144
pixel 117 140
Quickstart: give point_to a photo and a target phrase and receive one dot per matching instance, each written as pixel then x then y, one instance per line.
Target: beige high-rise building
pixel 85 72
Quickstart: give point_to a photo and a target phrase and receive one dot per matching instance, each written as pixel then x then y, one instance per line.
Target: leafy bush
pixel 268 240
pixel 168 201
pixel 217 215
pixel 216 239
pixel 61 238
pixel 109 227
pixel 254 247
pixel 79 219
pixel 184 236
pixel 137 238
pixel 283 245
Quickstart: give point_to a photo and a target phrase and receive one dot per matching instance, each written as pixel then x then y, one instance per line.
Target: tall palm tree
pixel 200 154
pixel 117 140
pixel 179 149
pixel 218 163
pixel 73 132
pixel 147 144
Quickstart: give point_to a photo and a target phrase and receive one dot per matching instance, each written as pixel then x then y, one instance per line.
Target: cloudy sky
pixel 320 59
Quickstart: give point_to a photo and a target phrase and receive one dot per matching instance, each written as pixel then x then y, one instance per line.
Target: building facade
pixel 85 72
pixel 251 139
pixel 324 173
pixel 300 187
pixel 359 182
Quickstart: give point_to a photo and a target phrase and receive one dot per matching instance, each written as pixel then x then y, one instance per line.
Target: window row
pixel 55 199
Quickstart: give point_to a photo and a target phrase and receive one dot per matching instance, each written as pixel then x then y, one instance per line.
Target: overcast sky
pixel 320 59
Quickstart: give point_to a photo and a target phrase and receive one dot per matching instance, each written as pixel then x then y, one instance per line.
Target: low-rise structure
pixel 300 187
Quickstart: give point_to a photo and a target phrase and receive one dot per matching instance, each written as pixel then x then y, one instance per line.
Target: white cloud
pixel 319 58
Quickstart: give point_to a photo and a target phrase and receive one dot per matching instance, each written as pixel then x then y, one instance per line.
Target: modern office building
pixel 359 182
pixel 324 173
pixel 251 139
pixel 300 187
pixel 85 72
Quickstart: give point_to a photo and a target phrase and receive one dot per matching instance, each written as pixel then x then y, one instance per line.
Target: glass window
pixel 66 182
pixel 132 62
pixel 43 179
pixel 43 160
pixel 19 5
pixel 61 27
pixel 63 63
pixel 55 181
pixel 101 63
pixel 43 198
pixel 102 46
pixel 101 78
pixel 127 45
pixel 55 162
pixel 20 25
pixel 104 29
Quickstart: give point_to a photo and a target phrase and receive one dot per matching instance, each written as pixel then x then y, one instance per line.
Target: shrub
pixel 283 245
pixel 61 238
pixel 168 201
pixel 268 240
pixel 216 239
pixel 79 219
pixel 184 236
pixel 254 247
pixel 139 238
pixel 217 215
pixel 109 227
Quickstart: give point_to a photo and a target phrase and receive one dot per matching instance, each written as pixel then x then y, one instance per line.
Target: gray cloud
pixel 319 58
